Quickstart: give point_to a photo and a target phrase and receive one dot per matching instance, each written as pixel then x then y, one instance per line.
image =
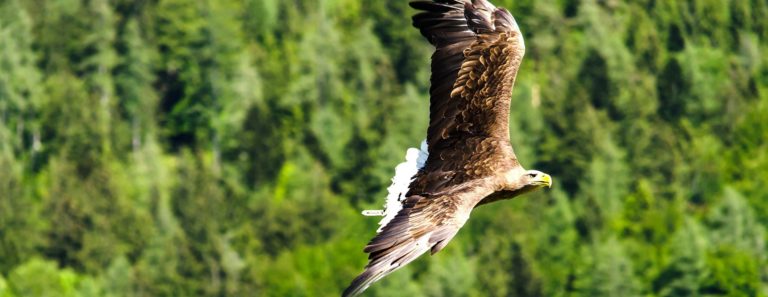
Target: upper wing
pixel 426 222
pixel 478 50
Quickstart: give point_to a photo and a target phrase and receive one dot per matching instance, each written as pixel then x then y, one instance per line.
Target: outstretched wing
pixel 426 222
pixel 478 50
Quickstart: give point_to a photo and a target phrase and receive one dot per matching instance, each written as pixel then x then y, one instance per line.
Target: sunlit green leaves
pixel 225 148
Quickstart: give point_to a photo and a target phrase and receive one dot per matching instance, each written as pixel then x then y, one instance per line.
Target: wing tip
pixel 362 282
pixel 504 18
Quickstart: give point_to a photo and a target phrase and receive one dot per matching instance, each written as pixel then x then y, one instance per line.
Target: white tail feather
pixel 404 173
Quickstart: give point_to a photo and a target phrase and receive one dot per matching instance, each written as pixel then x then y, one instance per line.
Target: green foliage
pixel 225 148
pixel 686 269
pixel 137 106
pixel 4 290
pixel 39 277
pixel 605 270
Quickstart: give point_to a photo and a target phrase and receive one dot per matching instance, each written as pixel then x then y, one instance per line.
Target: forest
pixel 227 147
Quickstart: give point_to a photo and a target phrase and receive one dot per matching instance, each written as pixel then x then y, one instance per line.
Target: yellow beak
pixel 545 179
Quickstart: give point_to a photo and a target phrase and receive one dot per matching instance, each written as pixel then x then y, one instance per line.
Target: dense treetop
pixel 225 148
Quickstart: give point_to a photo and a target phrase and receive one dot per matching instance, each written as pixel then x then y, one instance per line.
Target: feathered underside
pixel 478 49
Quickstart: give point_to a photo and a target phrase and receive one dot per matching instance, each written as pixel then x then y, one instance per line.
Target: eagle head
pixel 534 179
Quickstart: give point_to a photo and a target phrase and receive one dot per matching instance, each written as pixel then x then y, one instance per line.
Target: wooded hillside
pixel 226 148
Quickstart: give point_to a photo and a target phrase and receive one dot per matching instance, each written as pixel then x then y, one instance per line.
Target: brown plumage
pixel 478 50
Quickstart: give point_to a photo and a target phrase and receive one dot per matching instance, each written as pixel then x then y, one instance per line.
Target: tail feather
pixel 404 173
pixel 390 255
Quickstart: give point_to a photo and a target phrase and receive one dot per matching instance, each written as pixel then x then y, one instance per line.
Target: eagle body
pixel 467 159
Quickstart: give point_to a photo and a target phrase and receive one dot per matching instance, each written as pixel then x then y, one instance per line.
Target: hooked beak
pixel 545 180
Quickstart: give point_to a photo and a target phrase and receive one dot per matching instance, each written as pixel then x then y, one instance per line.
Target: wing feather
pixel 426 223
pixel 478 49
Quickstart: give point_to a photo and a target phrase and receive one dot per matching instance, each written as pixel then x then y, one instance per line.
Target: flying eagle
pixel 466 160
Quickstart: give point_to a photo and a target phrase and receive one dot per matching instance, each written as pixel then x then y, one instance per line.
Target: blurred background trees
pixel 212 148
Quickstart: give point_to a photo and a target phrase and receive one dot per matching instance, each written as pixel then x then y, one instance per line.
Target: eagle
pixel 467 159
